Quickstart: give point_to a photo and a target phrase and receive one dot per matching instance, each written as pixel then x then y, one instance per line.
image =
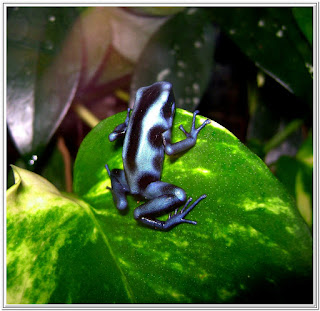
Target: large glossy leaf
pixel 250 243
pixel 272 39
pixel 180 52
pixel 40 85
pixel 50 63
pixel 56 250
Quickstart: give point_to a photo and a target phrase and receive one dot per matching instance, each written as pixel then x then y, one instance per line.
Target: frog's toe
pixel 188 221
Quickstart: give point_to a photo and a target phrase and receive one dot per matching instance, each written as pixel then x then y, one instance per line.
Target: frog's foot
pixel 194 131
pixel 177 217
pixel 119 187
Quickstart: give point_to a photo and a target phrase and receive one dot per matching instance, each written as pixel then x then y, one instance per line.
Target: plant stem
pixel 67 163
pixel 279 138
pixel 122 95
pixel 86 115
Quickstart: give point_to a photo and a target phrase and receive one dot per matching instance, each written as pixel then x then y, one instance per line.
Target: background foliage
pixel 249 69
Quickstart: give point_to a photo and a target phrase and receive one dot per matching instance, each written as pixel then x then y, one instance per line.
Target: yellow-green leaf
pixel 56 250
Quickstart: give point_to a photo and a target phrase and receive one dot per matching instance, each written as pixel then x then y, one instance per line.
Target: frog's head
pixel 158 96
pixel 165 99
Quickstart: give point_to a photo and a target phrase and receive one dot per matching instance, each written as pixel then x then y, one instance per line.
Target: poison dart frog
pixel 147 137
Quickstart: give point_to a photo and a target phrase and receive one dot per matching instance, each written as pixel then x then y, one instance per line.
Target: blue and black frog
pixel 147 137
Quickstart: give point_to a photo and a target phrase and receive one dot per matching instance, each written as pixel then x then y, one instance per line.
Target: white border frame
pixel 3 137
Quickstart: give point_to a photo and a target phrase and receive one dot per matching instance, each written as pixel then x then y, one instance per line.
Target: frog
pixel 147 132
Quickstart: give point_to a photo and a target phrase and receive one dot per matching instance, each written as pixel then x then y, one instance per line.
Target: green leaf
pixel 271 38
pixel 40 81
pixel 244 247
pixel 303 17
pixel 281 136
pixel 305 153
pixel 296 174
pixel 56 250
pixel 180 52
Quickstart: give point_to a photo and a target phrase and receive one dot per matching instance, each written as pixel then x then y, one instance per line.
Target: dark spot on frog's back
pixel 146 179
pixel 155 136
pixel 157 162
pixel 132 149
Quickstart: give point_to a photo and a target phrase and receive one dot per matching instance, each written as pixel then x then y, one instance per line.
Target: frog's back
pixel 143 149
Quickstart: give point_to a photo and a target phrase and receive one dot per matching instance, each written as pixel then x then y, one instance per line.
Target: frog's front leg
pixel 164 198
pixel 119 187
pixel 188 142
pixel 121 129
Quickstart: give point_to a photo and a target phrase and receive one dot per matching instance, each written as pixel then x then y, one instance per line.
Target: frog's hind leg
pixel 119 187
pixel 164 198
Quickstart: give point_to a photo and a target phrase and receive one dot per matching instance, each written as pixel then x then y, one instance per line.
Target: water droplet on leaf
pixel 181 64
pixel 33 159
pixel 196 87
pixel 197 44
pixel 191 11
pixel 52 18
pixel 195 100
